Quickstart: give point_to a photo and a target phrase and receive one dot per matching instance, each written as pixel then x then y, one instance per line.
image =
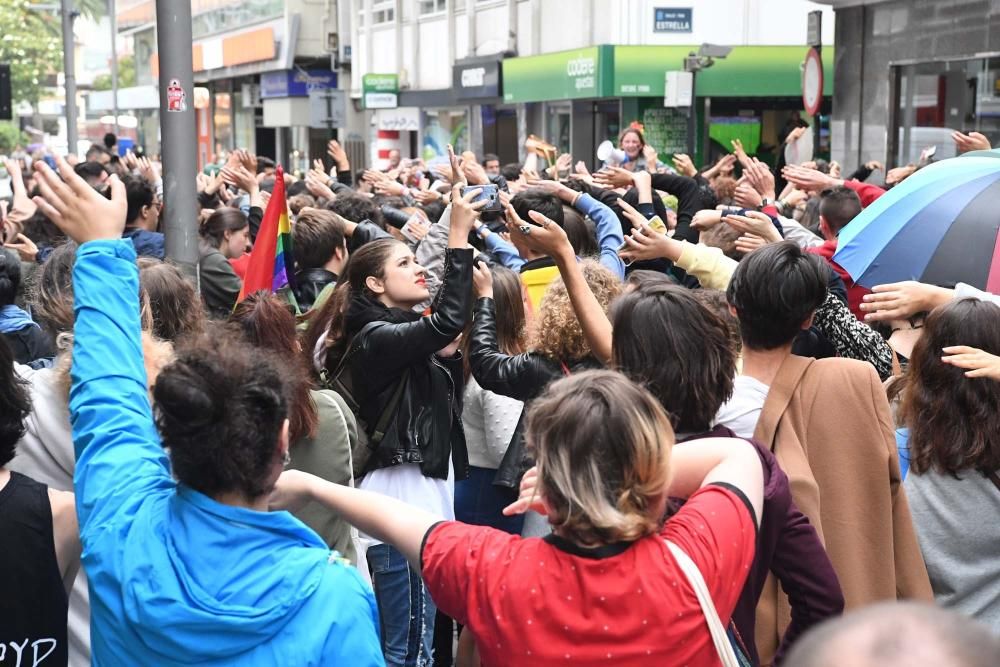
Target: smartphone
pixel 490 193
pixel 657 224
pixel 407 229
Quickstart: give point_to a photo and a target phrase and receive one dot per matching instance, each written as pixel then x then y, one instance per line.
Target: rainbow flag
pixel 271 264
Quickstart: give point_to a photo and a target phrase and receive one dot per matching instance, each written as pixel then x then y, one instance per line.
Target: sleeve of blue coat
pixel 119 458
pixel 505 252
pixel 609 232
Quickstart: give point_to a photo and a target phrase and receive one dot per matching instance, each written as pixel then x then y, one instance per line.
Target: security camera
pixel 714 51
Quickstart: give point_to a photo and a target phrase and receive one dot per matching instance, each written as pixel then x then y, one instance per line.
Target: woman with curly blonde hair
pixel 557 348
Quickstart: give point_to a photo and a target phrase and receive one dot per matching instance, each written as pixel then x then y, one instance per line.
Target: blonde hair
pixel 602 446
pixel 556 333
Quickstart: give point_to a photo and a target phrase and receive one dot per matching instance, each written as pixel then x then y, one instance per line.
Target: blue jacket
pixel 147 244
pixel 175 577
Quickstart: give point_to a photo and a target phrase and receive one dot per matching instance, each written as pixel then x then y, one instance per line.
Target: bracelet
pixel 576 198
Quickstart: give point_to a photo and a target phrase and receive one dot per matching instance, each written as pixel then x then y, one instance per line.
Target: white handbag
pixel 727 656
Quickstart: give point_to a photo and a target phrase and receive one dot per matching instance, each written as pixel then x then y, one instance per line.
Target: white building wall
pixel 545 26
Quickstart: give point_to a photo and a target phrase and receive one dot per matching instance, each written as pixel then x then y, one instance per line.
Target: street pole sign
pixel 380 91
pixel 814 29
pixel 327 108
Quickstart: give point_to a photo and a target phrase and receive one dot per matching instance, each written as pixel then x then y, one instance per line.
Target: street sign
pixel 327 108
pixel 814 29
pixel 677 89
pixel 812 82
pixel 672 19
pixel 380 91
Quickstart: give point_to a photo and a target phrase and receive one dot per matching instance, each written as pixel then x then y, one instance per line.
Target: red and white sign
pixel 812 82
pixel 176 100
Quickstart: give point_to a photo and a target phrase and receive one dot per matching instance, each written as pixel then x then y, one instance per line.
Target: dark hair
pixel 897 633
pixel 110 140
pixel 316 236
pixel 775 290
pixel 296 188
pixel 581 233
pixel 10 276
pixel 541 201
pixel 267 323
pixel 267 184
pixel 43 231
pixel 715 301
pixel 954 421
pixel 94 151
pixel 90 171
pixel 810 215
pixel 434 210
pixel 264 163
pixel 330 322
pixel 511 324
pixel 356 208
pixel 138 193
pixel 490 157
pixel 838 206
pixel 641 277
pixel 220 407
pixel 511 171
pixel 16 402
pixel 175 307
pixel 221 221
pixel 53 298
pixel 677 348
pixel 301 201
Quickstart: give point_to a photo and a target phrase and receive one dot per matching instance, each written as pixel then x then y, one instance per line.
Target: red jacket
pixel 855 293
pixel 867 192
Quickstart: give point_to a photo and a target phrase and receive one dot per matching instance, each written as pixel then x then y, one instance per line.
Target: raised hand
pixel 339 155
pixel 22 207
pixel 810 180
pixel 613 177
pixel 529 497
pixel 899 301
pixel 760 177
pixel 706 219
pixel 973 141
pixel 240 177
pixel 746 196
pixel 82 213
pixel 741 154
pixel 482 280
pixel 750 242
pixel 978 364
pixel 474 173
pixel 756 223
pixel 24 247
pixel 249 160
pixel 684 165
pixel 464 212
pixel 457 174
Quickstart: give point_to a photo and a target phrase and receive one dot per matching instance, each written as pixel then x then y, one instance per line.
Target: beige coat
pixel 829 425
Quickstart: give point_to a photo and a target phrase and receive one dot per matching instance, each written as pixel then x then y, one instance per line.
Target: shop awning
pixel 639 71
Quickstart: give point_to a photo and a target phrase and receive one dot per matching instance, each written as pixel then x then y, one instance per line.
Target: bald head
pixel 897 634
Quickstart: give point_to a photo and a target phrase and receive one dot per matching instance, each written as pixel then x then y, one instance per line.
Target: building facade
pixel 910 72
pixel 483 74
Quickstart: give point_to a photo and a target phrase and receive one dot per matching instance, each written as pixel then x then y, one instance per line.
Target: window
pixel 383 12
pixel 425 7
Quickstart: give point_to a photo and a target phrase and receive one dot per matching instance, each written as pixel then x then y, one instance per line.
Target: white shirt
pixel 405 482
pixel 741 412
pixel 489 421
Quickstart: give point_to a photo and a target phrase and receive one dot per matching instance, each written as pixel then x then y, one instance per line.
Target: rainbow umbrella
pixel 939 226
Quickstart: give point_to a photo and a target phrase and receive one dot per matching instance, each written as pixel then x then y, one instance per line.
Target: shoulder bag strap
pixel 719 637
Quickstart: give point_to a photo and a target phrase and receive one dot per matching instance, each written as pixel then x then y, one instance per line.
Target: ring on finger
pixel 525 229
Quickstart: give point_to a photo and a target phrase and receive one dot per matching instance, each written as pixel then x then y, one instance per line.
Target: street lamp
pixel 694 63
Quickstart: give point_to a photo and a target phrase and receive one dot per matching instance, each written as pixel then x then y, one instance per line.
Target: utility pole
pixel 69 67
pixel 177 134
pixel 114 61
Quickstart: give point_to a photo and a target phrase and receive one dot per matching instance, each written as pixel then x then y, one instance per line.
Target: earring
pixel 287 458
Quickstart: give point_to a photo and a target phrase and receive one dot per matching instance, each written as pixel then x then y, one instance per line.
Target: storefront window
pixel 223 121
pixel 443 127
pixel 557 125
pixel 932 100
pixel 216 16
pixel 243 129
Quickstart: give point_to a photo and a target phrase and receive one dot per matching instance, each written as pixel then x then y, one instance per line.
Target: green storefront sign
pixel 380 91
pixel 639 71
pixel 748 71
pixel 564 75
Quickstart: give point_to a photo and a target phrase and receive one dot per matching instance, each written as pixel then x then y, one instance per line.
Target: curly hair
pixel 556 332
pixel 953 419
pixel 220 407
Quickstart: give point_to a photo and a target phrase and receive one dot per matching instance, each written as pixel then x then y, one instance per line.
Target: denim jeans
pixel 406 611
pixel 480 503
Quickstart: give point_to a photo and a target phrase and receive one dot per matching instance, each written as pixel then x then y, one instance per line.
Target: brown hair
pixel 53 298
pixel 953 420
pixel 723 237
pixel 329 324
pixel 174 305
pixel 632 130
pixel 316 236
pixel 602 445
pixel 677 348
pixel 299 202
pixel 221 221
pixel 267 323
pixel 510 321
pixel 556 331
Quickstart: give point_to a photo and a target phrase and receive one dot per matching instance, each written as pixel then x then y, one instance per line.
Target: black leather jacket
pixel 523 377
pixel 427 428
pixel 309 283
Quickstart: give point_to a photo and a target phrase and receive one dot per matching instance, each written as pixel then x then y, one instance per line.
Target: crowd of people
pixel 521 414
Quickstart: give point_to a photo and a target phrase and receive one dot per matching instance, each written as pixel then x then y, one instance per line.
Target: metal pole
pixel 69 67
pixel 691 118
pixel 177 132
pixel 114 60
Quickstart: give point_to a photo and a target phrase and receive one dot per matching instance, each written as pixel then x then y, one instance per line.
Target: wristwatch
pixel 765 202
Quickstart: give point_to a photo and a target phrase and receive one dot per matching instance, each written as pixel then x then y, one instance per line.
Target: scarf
pixel 363 310
pixel 14 319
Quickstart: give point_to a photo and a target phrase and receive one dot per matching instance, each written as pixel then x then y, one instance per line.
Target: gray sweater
pixel 959 536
